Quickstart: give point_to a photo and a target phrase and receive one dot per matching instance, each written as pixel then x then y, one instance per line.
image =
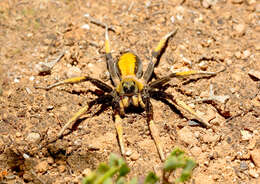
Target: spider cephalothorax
pixel 132 87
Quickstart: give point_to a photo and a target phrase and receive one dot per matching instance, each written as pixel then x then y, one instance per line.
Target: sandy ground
pixel 211 34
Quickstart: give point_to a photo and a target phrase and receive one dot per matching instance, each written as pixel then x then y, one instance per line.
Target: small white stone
pixel 16 80
pixel 33 137
pixel 85 26
pixel 128 153
pixel 73 72
pixel 172 19
pixel 246 135
pixel 86 15
pixel 31 78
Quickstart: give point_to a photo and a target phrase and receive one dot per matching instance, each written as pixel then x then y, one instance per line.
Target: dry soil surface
pixel 212 34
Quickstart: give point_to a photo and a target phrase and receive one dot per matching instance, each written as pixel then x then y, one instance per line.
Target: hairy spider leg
pixel 110 62
pixel 98 83
pixel 118 121
pixel 155 53
pixel 164 80
pixel 159 95
pixel 152 127
pixel 78 114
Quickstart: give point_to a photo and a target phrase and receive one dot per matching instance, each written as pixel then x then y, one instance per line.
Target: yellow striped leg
pixel 162 43
pixel 72 120
pixel 155 53
pixel 66 81
pixel 156 138
pixel 119 130
pixel 110 61
pixel 191 111
pixel 70 123
pixel 101 85
pixel 159 82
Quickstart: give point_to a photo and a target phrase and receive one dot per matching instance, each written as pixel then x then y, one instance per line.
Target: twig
pixel 98 23
pixel 239 114
pixel 131 6
pixel 158 13
pixel 220 98
pixel 45 67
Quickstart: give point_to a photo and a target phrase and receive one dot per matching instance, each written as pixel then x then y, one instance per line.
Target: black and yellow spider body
pixel 129 70
pixel 131 87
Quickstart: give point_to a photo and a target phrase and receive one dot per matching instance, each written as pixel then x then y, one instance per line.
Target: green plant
pixel 116 170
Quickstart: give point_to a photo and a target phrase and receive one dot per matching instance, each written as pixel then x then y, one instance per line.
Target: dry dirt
pixel 211 34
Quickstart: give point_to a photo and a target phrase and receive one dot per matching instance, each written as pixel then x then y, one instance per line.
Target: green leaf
pixel 151 178
pixel 113 160
pixel 102 168
pixel 108 181
pixel 90 178
pixel 187 171
pixel 120 181
pixel 173 163
pixel 124 169
pixel 177 152
pixel 133 181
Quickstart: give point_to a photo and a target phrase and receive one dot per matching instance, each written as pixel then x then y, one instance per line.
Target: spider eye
pixel 129 87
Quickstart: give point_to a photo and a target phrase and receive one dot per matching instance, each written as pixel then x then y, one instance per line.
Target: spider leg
pixel 119 130
pixel 155 54
pixel 118 120
pixel 150 121
pixel 98 83
pixel 77 115
pixel 159 82
pixel 180 104
pixel 110 61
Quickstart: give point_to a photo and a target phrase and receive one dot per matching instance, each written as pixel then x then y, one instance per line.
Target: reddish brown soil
pixel 225 34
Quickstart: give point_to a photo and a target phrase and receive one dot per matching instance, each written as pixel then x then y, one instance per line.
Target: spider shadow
pixel 159 95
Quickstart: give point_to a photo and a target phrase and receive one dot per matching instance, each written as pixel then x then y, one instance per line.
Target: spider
pixel 132 87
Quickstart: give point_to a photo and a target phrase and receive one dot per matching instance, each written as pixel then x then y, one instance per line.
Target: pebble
pixel 254 73
pixel 237 1
pixel 27 176
pixel 253 173
pixel 246 135
pixel 50 160
pixel 208 3
pixel 238 55
pixel 49 107
pixel 251 2
pixel 128 153
pixel 134 156
pixel 243 165
pixel 205 4
pixel 42 166
pixel 196 151
pixel 62 168
pixel 33 137
pixel 255 155
pixel 86 172
pixel 243 155
pixel 186 135
pixel 73 72
pixel 240 29
pixel 229 61
pixel 209 138
pixel 246 54
pixel 18 134
pixel 85 26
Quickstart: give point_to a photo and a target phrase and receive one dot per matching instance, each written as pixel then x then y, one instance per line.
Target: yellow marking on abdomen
pixel 127 64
